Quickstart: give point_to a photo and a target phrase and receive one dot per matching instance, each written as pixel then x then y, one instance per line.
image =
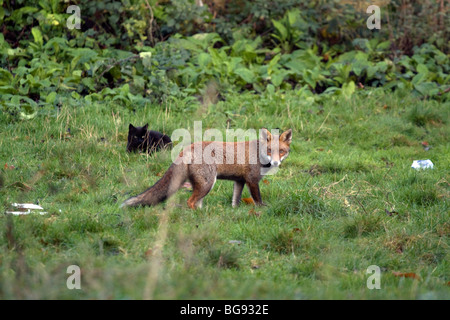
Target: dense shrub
pixel 130 51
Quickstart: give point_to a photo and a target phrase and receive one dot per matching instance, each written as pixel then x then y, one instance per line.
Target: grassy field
pixel 346 198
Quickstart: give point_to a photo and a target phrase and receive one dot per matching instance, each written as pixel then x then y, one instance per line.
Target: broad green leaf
pixel 309 78
pixel 245 74
pixel 427 88
pixel 421 68
pixel 83 55
pixel 146 59
pixel 125 89
pixel 371 71
pixel 203 59
pixel 382 66
pixel 302 59
pixel 361 57
pixel 348 89
pixel 347 56
pixel 89 82
pixel 358 68
pixel 37 35
pixel 293 16
pixel 278 77
pixel 75 95
pixel 270 89
pixel 24 90
pixel 77 73
pixel 51 97
pixel 419 78
pixel 16 15
pixel 274 62
pixel 27 116
pixel 361 43
pixel 8 90
pixel 385 45
pixel 5 77
pixel 281 29
pixel 30 103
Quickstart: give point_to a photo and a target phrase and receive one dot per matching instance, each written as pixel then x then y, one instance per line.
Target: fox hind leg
pixel 201 186
pixel 237 193
pixel 255 193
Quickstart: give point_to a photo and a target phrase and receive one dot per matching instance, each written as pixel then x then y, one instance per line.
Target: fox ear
pixel 286 136
pixel 264 134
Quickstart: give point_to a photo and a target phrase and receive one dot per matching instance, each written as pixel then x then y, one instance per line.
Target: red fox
pixel 244 168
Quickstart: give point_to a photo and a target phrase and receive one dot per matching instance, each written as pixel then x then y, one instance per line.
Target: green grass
pixel 324 225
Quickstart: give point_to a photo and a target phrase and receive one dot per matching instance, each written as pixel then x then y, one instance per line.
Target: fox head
pixel 137 138
pixel 274 148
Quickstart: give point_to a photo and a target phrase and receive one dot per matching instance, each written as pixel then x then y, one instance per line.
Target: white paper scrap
pixel 422 164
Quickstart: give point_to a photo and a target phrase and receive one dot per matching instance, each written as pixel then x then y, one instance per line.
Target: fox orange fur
pixel 227 163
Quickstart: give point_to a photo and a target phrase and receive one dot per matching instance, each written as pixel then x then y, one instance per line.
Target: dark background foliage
pixel 130 51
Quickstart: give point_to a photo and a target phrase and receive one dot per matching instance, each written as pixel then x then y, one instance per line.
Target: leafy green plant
pixel 184 17
pixel 48 63
pixel 290 30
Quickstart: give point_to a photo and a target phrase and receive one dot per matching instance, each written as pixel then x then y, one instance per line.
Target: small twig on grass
pixel 323 121
pixel 445 91
pixel 326 189
pixel 359 202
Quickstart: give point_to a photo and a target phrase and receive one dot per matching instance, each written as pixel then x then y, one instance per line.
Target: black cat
pixel 142 139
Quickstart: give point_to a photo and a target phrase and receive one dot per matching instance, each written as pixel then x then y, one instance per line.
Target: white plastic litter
pixel 27 206
pixel 422 164
pixel 18 213
pixel 30 208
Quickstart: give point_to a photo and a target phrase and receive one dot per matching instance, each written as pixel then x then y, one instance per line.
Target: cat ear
pixel 131 127
pixel 146 126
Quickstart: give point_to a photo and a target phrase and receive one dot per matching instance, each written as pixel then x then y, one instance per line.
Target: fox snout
pixel 273 162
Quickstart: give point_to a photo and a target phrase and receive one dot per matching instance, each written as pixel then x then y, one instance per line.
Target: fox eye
pixel 282 152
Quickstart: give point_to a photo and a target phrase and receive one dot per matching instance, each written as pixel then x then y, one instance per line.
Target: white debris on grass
pixel 26 208
pixel 422 164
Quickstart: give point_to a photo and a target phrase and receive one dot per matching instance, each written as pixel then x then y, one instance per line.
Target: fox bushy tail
pixel 172 180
